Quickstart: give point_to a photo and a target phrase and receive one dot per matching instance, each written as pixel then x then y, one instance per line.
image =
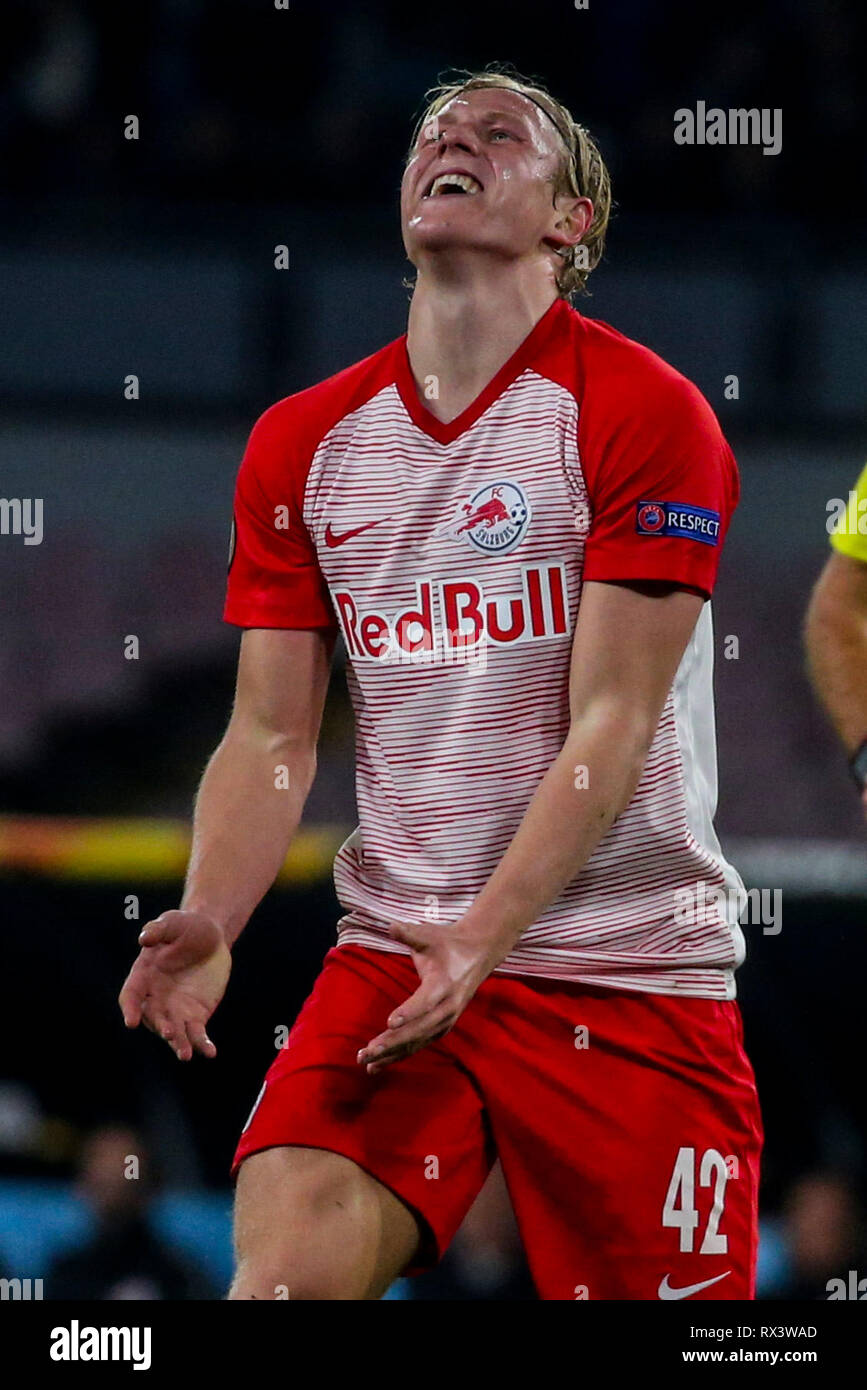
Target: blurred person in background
pixel 124 1259
pixel 836 633
pixel 823 1237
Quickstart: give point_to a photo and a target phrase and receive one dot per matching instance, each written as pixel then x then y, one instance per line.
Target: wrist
pixel 202 908
pixel 487 934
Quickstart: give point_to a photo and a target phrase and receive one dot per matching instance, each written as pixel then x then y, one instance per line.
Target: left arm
pixel 628 643
pixel 835 634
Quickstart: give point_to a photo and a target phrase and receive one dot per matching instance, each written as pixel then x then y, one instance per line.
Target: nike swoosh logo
pixel 332 538
pixel 666 1291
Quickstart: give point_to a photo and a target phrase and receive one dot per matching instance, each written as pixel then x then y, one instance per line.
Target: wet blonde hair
pixel 581 172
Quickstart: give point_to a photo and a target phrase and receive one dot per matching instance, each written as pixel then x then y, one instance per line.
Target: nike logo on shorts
pixel 667 1292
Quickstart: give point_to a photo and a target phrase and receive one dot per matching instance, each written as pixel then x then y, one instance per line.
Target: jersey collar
pixel 445 433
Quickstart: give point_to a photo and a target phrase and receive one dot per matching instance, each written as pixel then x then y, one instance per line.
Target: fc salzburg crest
pixel 494 520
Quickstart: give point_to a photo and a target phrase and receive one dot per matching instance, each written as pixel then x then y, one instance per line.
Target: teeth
pixel 463 181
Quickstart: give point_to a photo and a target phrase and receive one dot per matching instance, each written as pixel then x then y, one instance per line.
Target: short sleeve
pixel 849 535
pixel 662 480
pixel 274 575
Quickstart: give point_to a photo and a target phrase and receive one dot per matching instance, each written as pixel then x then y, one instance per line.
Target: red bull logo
pixel 494 520
pixel 451 616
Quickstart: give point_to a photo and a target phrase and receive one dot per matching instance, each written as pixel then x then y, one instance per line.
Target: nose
pixel 458 136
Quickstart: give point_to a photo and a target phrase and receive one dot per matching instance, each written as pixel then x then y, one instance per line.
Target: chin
pixel 450 237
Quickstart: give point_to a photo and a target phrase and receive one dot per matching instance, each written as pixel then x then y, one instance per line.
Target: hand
pixel 177 981
pixel 451 967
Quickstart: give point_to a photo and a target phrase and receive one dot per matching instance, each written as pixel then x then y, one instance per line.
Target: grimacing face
pixel 480 178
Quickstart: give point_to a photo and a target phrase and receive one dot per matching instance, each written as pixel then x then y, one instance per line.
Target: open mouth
pixel 446 185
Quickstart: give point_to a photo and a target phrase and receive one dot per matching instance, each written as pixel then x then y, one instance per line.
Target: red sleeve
pixel 662 480
pixel 274 575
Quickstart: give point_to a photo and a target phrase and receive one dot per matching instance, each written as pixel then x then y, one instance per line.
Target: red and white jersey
pixel 452 558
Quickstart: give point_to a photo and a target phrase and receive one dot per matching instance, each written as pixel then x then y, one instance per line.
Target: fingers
pixel 184 1036
pixel 172 1031
pixel 137 1006
pixel 162 931
pixel 427 1015
pixel 199 1038
pixel 130 1006
pixel 425 998
pixel 396 1052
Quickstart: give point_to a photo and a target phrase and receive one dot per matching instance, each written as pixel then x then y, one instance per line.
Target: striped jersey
pixel 451 558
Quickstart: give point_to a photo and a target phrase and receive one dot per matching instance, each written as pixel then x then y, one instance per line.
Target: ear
pixel 571 218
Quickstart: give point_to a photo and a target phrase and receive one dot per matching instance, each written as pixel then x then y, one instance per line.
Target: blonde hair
pixel 581 172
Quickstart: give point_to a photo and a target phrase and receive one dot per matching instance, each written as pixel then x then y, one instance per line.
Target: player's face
pixel 503 152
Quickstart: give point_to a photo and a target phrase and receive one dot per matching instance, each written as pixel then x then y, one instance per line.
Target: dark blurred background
pixel 153 258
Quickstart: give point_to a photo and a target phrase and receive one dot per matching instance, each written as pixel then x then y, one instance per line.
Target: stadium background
pixel 155 257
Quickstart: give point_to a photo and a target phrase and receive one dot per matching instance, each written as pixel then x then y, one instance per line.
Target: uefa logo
pixel 651 517
pixel 495 519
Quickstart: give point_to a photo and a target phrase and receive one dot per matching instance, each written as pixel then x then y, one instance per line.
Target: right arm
pixel 247 810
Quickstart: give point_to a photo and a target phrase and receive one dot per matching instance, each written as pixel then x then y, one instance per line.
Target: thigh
pixel 311 1224
pixel 416 1131
pixel 629 1132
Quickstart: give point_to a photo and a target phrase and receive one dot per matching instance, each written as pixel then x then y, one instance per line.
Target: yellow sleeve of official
pixel 849 535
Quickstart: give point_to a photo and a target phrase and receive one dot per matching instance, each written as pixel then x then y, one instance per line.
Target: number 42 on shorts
pixel 679 1207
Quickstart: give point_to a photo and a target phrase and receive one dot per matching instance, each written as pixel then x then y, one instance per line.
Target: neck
pixel 462 330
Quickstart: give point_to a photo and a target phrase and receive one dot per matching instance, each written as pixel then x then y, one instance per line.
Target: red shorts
pixel 627 1124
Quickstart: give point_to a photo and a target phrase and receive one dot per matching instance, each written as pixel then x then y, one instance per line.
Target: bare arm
pixel 628 644
pixel 253 792
pixel 248 808
pixel 836 642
